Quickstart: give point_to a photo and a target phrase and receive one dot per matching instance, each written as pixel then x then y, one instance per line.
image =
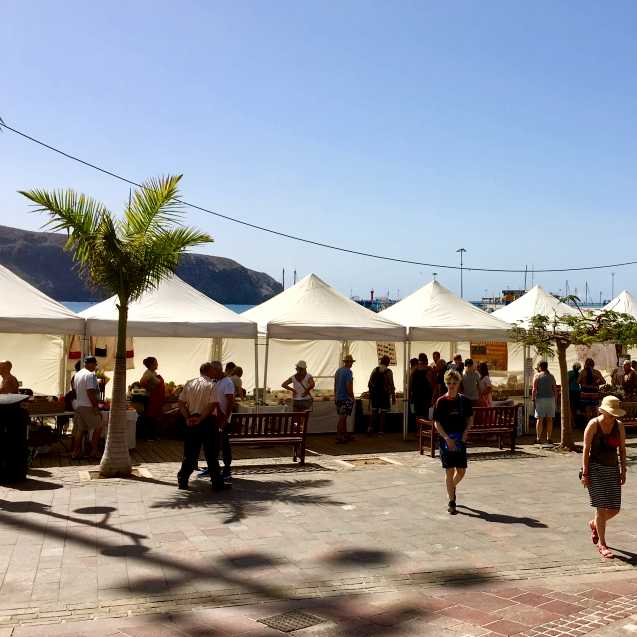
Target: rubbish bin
pixel 14 424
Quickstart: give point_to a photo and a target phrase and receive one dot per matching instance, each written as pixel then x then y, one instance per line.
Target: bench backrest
pixel 631 410
pixel 269 424
pixel 486 417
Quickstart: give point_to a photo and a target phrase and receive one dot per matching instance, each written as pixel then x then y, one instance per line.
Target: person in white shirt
pixel 197 405
pixel 301 386
pixel 87 415
pixel 224 401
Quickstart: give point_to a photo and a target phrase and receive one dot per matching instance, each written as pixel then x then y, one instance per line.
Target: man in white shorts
pixel 87 415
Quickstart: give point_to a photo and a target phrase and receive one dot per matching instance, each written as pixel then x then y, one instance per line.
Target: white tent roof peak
pixel 173 308
pixel 313 310
pixel 435 313
pixel 624 303
pixel 28 310
pixel 536 301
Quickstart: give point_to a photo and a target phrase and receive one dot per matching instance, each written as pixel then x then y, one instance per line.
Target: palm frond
pixel 153 206
pixel 160 256
pixel 74 213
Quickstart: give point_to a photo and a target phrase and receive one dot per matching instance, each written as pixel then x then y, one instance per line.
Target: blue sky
pixel 404 128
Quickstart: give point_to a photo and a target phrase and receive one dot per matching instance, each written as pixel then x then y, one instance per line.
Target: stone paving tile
pixel 324 537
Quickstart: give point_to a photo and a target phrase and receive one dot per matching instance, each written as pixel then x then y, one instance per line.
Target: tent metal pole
pixel 406 354
pixel 526 351
pixel 256 372
pixel 265 368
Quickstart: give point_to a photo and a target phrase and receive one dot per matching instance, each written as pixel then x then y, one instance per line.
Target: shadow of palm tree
pixel 28 506
pixel 248 497
pixel 500 518
pixel 339 608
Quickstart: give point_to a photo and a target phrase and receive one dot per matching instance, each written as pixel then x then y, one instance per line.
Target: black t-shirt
pixel 420 387
pixel 452 413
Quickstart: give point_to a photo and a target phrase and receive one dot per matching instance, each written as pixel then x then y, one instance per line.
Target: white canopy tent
pixel 519 312
pixel 314 322
pixel 624 303
pixel 175 323
pixel 538 301
pixel 438 320
pixel 434 313
pixel 33 328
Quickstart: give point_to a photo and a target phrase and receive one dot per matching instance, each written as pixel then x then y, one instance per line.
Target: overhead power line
pixel 286 235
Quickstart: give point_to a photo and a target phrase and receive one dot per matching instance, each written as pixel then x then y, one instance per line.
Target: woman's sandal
pixel 594 535
pixel 604 551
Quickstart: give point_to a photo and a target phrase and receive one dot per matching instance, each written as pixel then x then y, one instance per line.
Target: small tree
pixel 126 257
pixel 553 335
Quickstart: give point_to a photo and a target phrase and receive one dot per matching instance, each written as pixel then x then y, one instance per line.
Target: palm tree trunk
pixel 567 430
pixel 116 459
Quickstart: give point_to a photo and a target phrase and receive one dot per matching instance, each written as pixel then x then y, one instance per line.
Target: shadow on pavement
pixel 344 608
pixel 500 518
pixel 247 497
pixel 624 556
pixel 34 485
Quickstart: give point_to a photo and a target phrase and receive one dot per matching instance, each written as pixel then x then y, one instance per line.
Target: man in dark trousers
pixel 197 404
pixel 382 395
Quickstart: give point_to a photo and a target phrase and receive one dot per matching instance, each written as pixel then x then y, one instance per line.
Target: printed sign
pixel 495 355
pixel 387 349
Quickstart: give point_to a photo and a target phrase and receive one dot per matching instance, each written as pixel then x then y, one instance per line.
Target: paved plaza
pixel 350 545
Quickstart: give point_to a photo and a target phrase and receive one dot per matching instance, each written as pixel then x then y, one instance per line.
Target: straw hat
pixel 301 365
pixel 611 405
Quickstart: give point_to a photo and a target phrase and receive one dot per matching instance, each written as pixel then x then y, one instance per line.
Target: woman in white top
pixel 485 386
pixel 301 386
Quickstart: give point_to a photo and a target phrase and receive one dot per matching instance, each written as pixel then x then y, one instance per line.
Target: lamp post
pixel 461 251
pixel 435 275
pixel 612 285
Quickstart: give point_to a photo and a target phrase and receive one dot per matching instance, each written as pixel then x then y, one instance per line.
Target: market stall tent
pixel 624 303
pixel 536 301
pixel 33 329
pixel 434 313
pixel 312 321
pixel 175 323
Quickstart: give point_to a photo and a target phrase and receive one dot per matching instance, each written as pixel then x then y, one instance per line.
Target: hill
pixel 39 258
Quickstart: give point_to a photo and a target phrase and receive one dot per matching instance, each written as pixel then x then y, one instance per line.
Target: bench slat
pixel 487 421
pixel 271 428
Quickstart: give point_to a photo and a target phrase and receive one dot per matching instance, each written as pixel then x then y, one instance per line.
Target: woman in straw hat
pixel 604 468
pixel 301 386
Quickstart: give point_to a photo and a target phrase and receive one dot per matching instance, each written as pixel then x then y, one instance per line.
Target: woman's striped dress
pixel 604 485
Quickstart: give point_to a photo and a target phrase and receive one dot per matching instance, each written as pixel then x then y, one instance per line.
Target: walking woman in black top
pixel 453 415
pixel 603 472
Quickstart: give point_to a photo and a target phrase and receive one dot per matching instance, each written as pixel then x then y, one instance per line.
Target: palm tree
pixel 127 257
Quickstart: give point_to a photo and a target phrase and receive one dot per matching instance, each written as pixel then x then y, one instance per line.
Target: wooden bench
pixel 487 422
pixel 630 419
pixel 282 429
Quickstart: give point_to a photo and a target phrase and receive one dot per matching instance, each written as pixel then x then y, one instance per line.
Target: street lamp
pixel 612 285
pixel 461 251
pixel 435 275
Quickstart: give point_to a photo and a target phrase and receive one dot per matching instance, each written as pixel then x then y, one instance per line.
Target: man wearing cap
pixel 87 415
pixel 344 397
pixel 301 386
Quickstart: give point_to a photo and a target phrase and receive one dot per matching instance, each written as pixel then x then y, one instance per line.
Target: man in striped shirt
pixel 197 404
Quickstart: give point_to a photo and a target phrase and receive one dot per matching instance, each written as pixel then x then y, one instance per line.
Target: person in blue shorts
pixel 344 398
pixel 453 416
